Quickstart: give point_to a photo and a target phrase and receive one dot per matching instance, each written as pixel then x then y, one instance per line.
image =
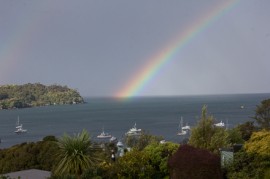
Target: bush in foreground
pixel 193 163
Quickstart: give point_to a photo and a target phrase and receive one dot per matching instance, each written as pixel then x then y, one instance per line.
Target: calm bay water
pixel 157 115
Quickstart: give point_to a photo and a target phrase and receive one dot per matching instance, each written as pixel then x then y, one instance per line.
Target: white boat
pixel 181 131
pixel 186 127
pixel 19 127
pixel 134 131
pixel 119 144
pixel 220 124
pixel 20 130
pixel 104 135
pixel 162 141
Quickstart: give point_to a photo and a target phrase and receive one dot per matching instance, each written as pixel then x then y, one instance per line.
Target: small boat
pixel 134 131
pixel 104 135
pixel 162 141
pixel 220 124
pixel 113 139
pixel 181 131
pixel 19 127
pixel 119 144
pixel 186 127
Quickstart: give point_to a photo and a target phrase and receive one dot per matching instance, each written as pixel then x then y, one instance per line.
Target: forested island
pixel 32 95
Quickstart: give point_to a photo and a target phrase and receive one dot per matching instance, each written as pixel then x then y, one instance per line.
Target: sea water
pixel 156 115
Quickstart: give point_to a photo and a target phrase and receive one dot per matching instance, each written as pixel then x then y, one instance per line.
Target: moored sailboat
pixel 181 131
pixel 19 127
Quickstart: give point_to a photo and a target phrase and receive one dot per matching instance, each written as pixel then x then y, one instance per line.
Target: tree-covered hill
pixel 31 95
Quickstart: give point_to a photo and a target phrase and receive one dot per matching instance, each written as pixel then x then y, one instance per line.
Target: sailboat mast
pixel 18 120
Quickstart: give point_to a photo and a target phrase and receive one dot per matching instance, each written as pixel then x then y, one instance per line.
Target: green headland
pixel 32 95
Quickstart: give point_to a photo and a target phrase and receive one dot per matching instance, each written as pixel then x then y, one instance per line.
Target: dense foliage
pixel 159 155
pixel 246 129
pixel 150 162
pixel 39 155
pixel 134 164
pixel 29 95
pixel 141 141
pixel 259 143
pixel 253 161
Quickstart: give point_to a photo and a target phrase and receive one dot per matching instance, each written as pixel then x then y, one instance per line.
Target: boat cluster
pixel 131 132
pixel 134 131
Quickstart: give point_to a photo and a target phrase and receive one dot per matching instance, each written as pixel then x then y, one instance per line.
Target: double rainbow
pixel 138 82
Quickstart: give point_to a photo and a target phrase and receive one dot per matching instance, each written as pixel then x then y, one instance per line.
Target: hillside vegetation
pixel 31 95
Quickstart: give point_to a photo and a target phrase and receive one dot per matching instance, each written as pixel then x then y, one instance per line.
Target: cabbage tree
pixel 76 154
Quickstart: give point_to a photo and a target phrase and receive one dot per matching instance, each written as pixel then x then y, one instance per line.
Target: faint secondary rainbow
pixel 14 48
pixel 137 83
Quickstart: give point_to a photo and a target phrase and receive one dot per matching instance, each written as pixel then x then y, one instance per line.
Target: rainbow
pixel 154 65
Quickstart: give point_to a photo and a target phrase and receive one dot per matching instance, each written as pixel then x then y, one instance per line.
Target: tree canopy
pixel 39 155
pixel 262 115
pixel 246 129
pixel 207 136
pixel 141 141
pixel 259 143
pixel 159 155
pixel 253 161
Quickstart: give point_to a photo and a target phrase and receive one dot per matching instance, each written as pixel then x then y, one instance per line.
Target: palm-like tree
pixel 76 154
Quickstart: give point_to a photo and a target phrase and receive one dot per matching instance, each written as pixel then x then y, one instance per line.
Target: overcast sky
pixel 97 46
